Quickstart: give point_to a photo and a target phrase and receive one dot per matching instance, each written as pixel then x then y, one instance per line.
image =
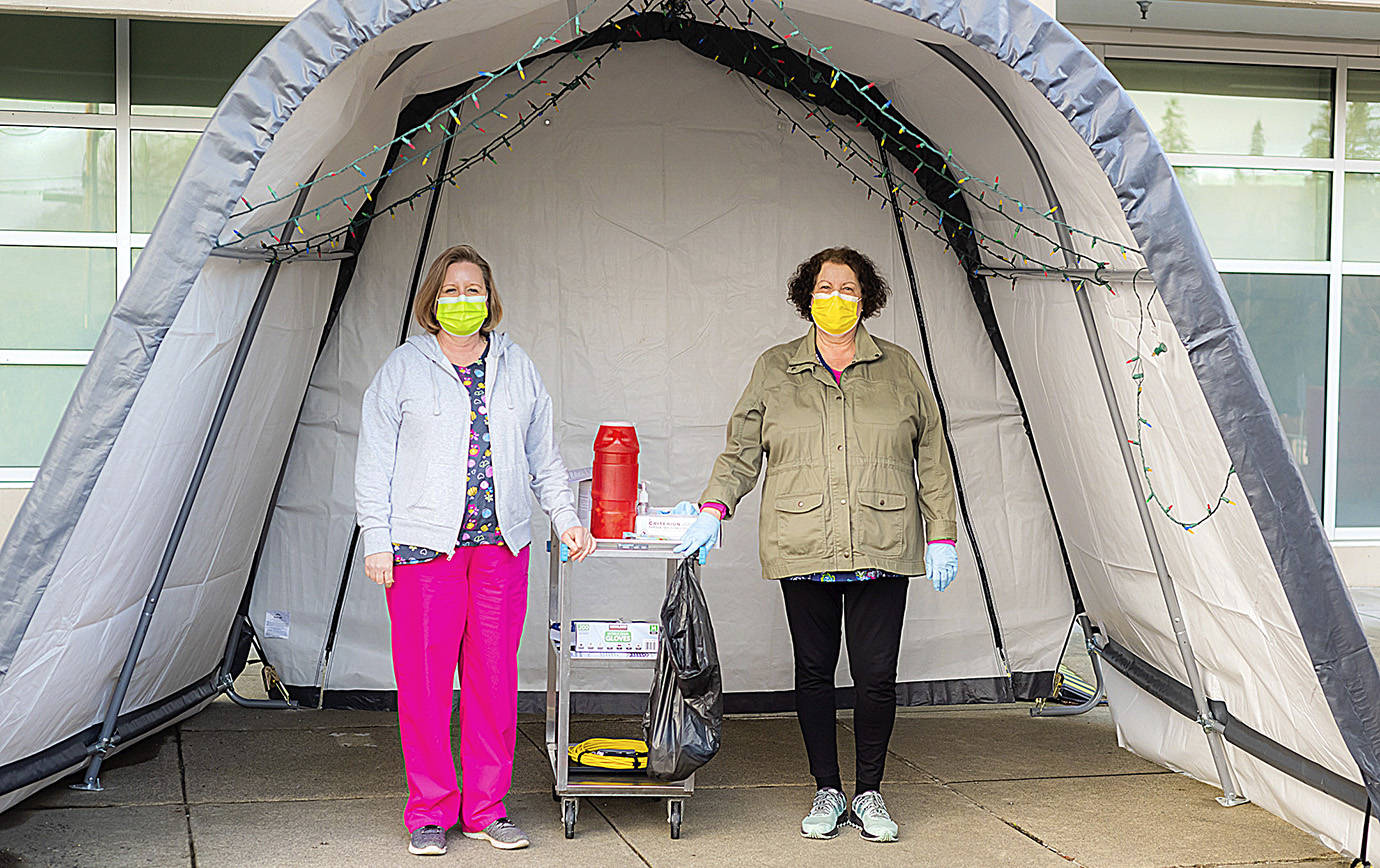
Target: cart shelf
pixel 573 783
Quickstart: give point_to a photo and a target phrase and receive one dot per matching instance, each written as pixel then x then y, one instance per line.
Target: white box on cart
pixel 618 640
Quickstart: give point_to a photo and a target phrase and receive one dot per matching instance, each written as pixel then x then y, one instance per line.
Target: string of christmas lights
pixel 888 178
pixel 450 111
pixel 901 129
pixel 679 11
pixel 846 142
pixel 1137 368
pixel 851 147
pixel 287 249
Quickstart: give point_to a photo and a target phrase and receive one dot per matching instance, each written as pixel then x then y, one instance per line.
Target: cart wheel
pixel 674 809
pixel 569 808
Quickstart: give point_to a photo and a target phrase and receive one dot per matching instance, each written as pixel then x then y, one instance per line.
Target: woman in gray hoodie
pixel 456 430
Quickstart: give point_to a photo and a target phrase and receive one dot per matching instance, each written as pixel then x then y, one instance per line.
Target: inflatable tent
pixel 644 178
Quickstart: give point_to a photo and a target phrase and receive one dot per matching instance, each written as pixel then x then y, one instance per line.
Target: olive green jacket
pixel 840 491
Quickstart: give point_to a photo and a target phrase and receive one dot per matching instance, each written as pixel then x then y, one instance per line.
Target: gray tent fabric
pixel 1031 59
pixel 1058 64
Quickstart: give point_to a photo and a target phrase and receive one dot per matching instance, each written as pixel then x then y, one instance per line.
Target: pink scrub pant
pixel 468 608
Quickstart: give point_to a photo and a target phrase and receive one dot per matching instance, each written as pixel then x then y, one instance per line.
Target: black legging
pixel 872 612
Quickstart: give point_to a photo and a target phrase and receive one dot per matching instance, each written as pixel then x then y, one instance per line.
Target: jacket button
pixel 847 555
pixel 881 501
pixel 800 503
pixel 840 447
pixel 844 502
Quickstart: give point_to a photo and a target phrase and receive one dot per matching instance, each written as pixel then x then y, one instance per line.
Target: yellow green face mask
pixel 461 315
pixel 834 313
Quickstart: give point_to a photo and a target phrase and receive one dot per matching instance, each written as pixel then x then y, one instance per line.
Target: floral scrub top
pixel 480 524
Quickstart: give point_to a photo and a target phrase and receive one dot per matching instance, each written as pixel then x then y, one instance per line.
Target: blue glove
pixel 685 507
pixel 941 564
pixel 700 535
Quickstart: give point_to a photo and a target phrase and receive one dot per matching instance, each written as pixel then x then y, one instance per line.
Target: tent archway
pixel 1263 598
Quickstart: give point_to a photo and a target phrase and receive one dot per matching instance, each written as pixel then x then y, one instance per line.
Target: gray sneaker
pixel 503 834
pixel 869 812
pixel 827 814
pixel 428 841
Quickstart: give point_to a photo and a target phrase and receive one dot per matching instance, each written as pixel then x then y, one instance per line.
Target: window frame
pixel 123 240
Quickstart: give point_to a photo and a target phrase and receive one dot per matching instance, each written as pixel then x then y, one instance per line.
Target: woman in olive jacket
pixel 847 423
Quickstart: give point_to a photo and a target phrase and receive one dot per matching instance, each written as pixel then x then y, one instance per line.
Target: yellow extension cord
pixel 624 754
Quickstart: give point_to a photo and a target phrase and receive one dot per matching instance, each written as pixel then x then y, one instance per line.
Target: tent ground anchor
pixel 225 680
pixel 227 683
pixel 1042 709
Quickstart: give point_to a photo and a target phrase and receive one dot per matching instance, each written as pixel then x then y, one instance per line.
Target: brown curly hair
pixel 873 287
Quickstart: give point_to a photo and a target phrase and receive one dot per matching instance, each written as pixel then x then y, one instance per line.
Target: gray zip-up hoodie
pixel 410 469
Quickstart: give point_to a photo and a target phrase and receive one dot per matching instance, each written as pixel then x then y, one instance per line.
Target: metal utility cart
pixel 571 784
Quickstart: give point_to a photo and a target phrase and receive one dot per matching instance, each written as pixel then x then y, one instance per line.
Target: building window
pixel 1232 109
pixel 1358 462
pixel 1285 318
pixel 1294 224
pixel 1361 222
pixel 1363 114
pixel 58 64
pixel 97 118
pixel 1259 213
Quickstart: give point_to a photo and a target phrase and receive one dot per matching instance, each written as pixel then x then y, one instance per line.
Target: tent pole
pixel 1123 275
pixel 983 581
pixel 242 625
pixel 423 242
pixel 1212 727
pixel 106 739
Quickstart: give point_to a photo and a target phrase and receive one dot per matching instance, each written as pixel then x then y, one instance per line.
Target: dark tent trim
pixel 72 752
pixel 908 694
pixel 1178 696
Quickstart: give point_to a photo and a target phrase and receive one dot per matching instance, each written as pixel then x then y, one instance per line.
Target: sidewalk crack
pixel 186 806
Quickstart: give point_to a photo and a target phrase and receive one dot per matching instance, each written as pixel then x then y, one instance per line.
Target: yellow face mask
pixel 834 313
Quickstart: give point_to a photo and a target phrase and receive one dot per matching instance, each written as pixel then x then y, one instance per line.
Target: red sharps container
pixel 614 509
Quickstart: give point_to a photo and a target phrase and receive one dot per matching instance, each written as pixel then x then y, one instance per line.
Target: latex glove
pixel 379 567
pixel 685 507
pixel 941 564
pixel 700 535
pixel 580 542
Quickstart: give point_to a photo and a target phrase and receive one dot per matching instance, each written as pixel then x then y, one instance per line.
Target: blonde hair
pixel 424 308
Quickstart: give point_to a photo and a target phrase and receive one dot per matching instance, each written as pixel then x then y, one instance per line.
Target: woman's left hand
pixel 941 564
pixel 580 542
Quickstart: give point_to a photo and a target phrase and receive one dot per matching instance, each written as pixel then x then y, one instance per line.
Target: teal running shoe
pixel 869 812
pixel 827 814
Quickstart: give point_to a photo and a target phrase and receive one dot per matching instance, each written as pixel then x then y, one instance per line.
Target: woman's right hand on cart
pixel 580 542
pixel 379 567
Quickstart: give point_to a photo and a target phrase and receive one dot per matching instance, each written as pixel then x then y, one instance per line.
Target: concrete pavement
pixel 977 786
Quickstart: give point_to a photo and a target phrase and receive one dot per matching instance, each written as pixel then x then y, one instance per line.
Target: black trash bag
pixel 685 714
